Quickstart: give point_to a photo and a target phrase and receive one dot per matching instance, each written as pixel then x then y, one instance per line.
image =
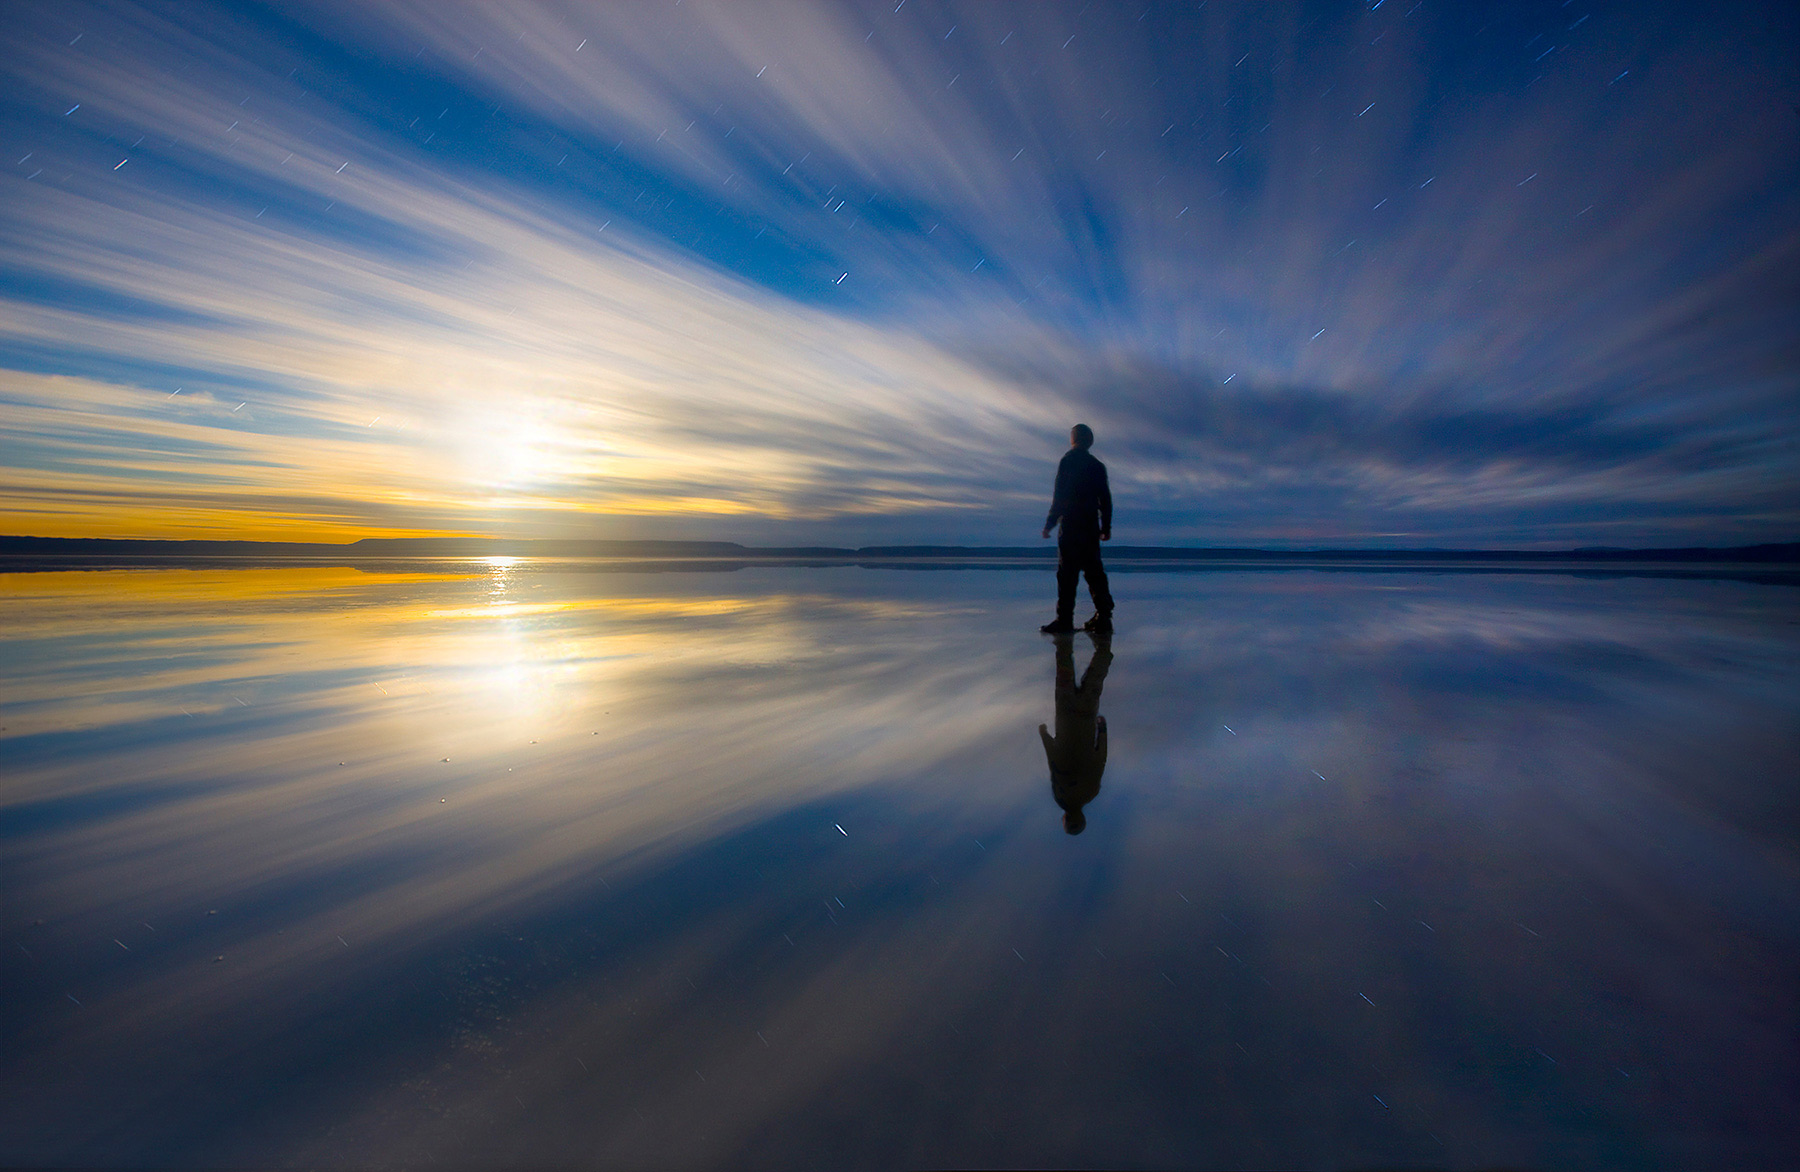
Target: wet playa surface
pixel 508 864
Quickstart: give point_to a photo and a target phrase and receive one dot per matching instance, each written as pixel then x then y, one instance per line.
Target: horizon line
pixel 13 545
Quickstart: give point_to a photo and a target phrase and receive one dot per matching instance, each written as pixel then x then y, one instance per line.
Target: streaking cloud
pixel 843 274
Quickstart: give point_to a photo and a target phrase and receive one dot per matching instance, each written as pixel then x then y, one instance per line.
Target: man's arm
pixel 1105 506
pixel 1059 498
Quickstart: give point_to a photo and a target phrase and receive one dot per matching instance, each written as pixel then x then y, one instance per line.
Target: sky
pixel 1388 274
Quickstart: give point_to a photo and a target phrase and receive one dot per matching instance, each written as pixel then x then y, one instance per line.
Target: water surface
pixel 512 864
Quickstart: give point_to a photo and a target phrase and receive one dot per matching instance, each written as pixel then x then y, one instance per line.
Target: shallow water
pixel 546 865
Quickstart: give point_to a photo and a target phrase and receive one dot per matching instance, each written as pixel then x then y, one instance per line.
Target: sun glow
pixel 508 451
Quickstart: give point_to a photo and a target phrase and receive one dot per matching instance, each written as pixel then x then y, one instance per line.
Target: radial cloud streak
pixel 1367 274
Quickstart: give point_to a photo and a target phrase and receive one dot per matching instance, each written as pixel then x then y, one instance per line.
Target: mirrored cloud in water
pixel 777 845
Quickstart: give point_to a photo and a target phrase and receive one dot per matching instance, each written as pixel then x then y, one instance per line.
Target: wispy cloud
pixel 838 272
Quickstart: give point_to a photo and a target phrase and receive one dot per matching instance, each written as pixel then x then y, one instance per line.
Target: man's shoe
pixel 1100 624
pixel 1058 627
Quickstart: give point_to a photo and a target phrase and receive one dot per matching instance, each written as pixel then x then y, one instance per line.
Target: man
pixel 1083 505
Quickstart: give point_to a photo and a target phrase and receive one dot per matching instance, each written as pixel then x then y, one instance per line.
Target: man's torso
pixel 1085 478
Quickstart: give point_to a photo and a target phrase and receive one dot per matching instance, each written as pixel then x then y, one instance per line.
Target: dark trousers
pixel 1074 558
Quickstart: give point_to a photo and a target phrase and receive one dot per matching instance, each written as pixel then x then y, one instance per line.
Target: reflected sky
pixel 503 867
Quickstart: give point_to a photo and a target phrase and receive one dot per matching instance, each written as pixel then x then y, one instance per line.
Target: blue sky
pixel 1388 274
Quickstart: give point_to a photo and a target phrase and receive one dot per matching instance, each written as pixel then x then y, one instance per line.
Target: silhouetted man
pixel 1083 505
pixel 1077 752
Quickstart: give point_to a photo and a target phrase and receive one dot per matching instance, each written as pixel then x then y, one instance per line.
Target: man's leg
pixel 1098 588
pixel 1068 574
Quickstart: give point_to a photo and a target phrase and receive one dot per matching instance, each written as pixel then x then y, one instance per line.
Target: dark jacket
pixel 1083 501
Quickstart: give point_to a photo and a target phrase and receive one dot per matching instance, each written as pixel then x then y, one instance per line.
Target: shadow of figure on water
pixel 1077 752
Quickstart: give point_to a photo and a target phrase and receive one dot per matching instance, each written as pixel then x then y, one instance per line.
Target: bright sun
pixel 500 451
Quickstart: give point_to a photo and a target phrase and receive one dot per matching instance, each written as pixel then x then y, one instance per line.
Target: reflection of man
pixel 1077 752
pixel 1083 506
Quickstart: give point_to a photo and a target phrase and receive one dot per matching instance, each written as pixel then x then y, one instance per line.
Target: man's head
pixel 1081 436
pixel 1074 821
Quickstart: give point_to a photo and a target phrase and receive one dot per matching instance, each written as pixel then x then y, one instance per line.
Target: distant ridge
pixel 389 548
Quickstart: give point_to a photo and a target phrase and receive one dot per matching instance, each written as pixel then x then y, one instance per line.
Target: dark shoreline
pixel 389 549
pixel 1767 564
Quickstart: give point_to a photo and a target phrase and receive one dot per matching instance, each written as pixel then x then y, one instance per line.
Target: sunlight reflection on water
pixel 517 864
